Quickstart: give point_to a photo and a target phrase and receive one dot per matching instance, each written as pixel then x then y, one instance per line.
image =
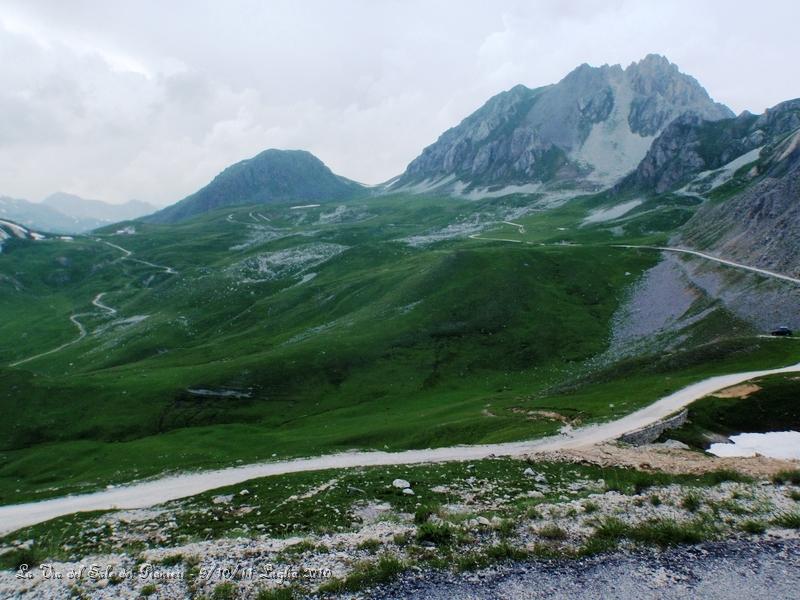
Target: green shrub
pixel 691 502
pixel 788 520
pixel 370 545
pixel 611 529
pixel 661 532
pixel 366 574
pixel 506 528
pixel 422 515
pixel 533 513
pixel 754 527
pixel 224 591
pixel 552 531
pixel 281 593
pixel 792 477
pixel 666 532
pixel 22 556
pixel 436 533
pixel 147 590
pixel 723 475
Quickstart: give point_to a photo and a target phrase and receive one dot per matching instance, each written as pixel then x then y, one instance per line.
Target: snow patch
pixel 427 185
pixel 709 180
pixel 609 214
pixel 17 230
pixel 790 147
pixel 775 444
pixel 611 149
pixel 483 193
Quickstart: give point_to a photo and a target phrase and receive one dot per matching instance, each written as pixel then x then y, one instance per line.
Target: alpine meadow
pixel 561 341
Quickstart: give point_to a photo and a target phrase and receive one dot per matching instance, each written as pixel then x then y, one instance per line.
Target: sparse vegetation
pixel 691 502
pixel 148 590
pixel 660 532
pixel 788 520
pixel 366 574
pixel 224 591
pixel 754 527
pixel 440 534
pixel 792 477
pixel 552 532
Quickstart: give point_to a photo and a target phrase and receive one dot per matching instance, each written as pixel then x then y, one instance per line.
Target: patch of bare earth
pixel 744 390
pixel 544 414
pixel 658 457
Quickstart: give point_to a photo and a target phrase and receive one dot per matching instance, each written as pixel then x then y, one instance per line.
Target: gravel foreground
pixel 719 570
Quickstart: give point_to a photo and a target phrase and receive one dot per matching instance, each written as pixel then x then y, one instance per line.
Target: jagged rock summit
pixel 585 132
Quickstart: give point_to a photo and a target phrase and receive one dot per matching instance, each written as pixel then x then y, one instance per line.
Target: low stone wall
pixel 649 434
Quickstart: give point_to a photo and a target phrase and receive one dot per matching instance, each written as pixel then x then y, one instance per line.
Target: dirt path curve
pixel 156 491
pixel 129 255
pixel 81 334
pixel 96 301
pixel 99 304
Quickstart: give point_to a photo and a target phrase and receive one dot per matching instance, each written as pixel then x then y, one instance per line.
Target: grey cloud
pixel 150 99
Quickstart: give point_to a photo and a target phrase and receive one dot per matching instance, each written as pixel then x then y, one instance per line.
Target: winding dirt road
pixel 96 301
pixel 156 491
pixel 722 261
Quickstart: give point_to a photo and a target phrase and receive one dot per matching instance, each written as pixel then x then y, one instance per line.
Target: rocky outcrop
pixel 760 225
pixel 588 130
pixel 691 145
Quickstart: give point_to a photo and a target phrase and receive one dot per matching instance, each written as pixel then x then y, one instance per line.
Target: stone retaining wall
pixel 649 434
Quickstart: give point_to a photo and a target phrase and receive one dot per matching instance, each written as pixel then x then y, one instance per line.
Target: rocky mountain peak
pixel 587 131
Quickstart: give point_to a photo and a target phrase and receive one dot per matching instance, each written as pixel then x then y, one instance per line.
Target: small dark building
pixel 781 331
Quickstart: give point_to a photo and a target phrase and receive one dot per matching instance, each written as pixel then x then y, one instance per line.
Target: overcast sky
pixel 150 99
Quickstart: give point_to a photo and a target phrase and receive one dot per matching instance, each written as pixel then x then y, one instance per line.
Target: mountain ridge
pixel 580 131
pixel 79 207
pixel 69 214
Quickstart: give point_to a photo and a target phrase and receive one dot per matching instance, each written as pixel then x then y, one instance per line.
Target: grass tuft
pixel 440 534
pixel 754 527
pixel 789 520
pixel 691 502
pixel 366 574
pixel 551 531
pixel 784 477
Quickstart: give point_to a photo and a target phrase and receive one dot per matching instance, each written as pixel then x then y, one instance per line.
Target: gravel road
pixel 721 570
pixel 150 493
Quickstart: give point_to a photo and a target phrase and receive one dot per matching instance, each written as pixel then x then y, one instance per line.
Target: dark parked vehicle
pixel 781 331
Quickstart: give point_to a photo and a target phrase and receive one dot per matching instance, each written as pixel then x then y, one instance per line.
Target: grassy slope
pixel 383 339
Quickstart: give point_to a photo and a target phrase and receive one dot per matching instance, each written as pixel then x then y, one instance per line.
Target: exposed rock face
pixel 751 164
pixel 761 224
pixel 274 176
pixel 689 145
pixel 591 128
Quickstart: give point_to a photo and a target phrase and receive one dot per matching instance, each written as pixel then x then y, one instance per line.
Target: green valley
pixel 257 332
